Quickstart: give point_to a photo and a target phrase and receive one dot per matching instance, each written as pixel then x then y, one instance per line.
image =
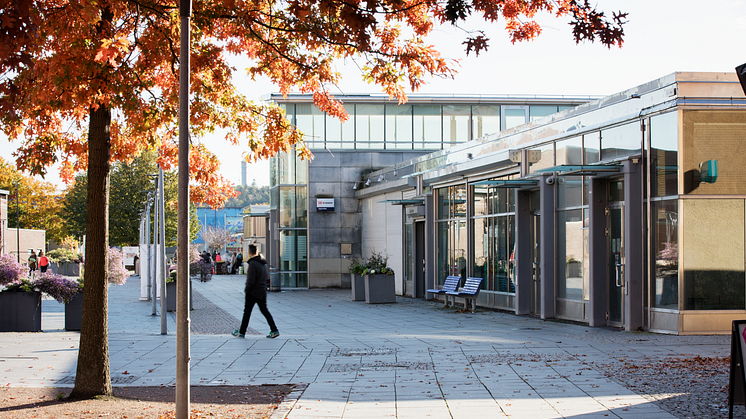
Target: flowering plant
pixel 56 286
pixel 378 264
pixel 117 273
pixel 14 278
pixel 64 255
pixel 11 270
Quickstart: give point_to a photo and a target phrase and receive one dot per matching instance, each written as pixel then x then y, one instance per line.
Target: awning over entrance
pixel 403 201
pixel 512 183
pixel 577 170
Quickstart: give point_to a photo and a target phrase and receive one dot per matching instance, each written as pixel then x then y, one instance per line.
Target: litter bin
pixel 274 280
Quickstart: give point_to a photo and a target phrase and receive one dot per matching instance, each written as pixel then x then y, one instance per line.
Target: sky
pixel 661 37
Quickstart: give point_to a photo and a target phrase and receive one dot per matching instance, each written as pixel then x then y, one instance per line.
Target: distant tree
pixel 38 206
pixel 249 195
pixel 216 237
pixel 130 183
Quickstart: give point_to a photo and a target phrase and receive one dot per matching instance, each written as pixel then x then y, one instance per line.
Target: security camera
pixel 550 180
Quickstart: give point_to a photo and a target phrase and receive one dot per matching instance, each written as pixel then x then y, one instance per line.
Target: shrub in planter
pixel 20 297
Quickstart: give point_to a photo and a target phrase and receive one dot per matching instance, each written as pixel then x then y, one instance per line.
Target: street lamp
pixel 18 222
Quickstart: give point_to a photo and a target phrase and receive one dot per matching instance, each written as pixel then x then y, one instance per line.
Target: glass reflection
pixel 664 146
pixel 570 250
pixel 666 241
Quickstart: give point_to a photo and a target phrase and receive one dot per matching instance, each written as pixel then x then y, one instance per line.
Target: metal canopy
pixel 575 170
pixel 512 183
pixel 402 201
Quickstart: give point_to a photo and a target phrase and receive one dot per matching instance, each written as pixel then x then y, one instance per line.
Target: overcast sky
pixel 662 37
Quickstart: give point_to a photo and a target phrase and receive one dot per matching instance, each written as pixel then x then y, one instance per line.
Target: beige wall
pixel 30 239
pixel 715 135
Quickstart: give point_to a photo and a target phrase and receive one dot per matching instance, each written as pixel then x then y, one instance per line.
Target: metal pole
pixel 147 243
pixel 153 253
pixel 18 224
pixel 162 251
pixel 182 285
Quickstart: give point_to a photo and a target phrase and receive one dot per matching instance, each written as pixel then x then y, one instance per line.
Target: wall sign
pixel 325 204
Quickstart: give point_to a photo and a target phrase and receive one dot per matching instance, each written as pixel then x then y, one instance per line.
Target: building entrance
pixel 535 264
pixel 419 260
pixel 616 256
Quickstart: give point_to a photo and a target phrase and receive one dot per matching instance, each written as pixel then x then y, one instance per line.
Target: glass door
pixel 616 259
pixel 535 265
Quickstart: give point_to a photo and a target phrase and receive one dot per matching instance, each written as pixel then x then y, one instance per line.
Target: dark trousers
pixel 262 303
pixel 43 268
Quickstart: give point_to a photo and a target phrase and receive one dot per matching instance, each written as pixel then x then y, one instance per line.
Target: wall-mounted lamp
pixel 380 178
pixel 367 182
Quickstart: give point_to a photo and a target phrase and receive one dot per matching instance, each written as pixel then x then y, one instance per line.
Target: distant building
pixel 230 218
pixel 9 237
pixel 312 246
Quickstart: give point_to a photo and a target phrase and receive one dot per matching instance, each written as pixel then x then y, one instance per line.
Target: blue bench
pixel 451 285
pixel 469 292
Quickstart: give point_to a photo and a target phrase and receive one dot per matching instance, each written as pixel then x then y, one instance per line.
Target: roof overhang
pixel 511 183
pixel 415 201
pixel 582 170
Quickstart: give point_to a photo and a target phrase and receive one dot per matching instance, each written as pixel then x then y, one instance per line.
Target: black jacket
pixel 256 277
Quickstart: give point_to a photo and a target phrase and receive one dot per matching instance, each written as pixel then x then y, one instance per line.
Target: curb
pixel 284 408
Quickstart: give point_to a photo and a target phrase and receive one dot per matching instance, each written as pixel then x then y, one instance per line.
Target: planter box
pixel 171 296
pixel 20 311
pixel 380 288
pixel 66 269
pixel 358 287
pixel 74 312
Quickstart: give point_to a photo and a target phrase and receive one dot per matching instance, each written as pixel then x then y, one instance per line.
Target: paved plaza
pixel 351 360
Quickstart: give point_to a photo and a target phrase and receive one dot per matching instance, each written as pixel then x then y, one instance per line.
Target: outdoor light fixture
pixel 380 178
pixel 367 182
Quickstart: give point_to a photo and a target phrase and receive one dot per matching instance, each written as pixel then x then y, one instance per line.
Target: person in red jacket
pixel 43 261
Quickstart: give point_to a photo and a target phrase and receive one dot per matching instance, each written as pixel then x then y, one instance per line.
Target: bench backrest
pixel 451 283
pixel 472 286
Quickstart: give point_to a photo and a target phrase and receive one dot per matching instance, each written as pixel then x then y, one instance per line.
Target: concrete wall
pixel 333 175
pixel 383 229
pixel 30 239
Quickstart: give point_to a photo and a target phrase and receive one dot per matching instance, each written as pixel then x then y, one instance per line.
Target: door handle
pixel 619 281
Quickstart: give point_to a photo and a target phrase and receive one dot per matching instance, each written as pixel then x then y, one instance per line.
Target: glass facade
pixel 450 232
pixel 289 197
pixel 409 126
pixel 493 225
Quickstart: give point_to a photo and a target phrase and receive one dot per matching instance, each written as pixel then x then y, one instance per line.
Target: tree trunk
pixel 93 377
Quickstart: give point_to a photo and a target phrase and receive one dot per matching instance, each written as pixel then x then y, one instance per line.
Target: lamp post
pixel 18 222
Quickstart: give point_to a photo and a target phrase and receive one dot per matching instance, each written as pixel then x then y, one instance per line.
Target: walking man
pixel 256 293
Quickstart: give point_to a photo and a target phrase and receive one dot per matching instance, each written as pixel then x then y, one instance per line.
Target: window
pixel 341 135
pixel 664 146
pixel 455 124
pixel 428 129
pixel 310 121
pixel 369 126
pixel 621 141
pixel 398 127
pixel 514 116
pixel 485 121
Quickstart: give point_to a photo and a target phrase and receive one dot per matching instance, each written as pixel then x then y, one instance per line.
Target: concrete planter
pixel 20 311
pixel 65 268
pixel 171 296
pixel 74 312
pixel 358 287
pixel 380 288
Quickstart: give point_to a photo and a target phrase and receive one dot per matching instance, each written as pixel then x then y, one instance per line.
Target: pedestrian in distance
pixel 256 293
pixel 44 262
pixel 32 262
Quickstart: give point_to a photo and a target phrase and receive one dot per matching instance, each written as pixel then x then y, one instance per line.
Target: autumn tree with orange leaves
pixel 89 83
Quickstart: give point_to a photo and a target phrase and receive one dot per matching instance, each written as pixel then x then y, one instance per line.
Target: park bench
pixel 470 291
pixel 450 285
